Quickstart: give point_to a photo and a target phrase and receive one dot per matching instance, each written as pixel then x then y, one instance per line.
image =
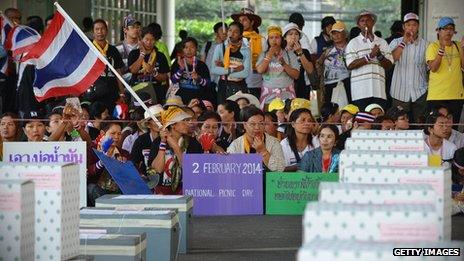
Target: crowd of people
pixel 246 93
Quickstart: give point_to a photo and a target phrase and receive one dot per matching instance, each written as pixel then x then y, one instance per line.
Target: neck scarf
pixel 255 46
pixel 102 51
pixel 246 145
pixel 227 53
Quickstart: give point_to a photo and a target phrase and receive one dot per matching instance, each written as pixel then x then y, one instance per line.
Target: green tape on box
pixel 288 192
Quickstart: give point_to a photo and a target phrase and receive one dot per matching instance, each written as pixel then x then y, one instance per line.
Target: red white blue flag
pixel 21 39
pixel 65 62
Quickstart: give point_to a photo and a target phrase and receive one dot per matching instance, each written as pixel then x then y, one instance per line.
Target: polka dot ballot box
pixel 16 220
pixel 56 207
pixel 439 178
pixel 382 223
pixel 382 158
pixel 388 134
pixel 379 194
pixel 346 250
pixel 389 144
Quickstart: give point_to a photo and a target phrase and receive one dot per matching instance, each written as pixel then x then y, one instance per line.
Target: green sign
pixel 288 192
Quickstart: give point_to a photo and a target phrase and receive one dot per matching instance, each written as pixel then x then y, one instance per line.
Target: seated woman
pixel 256 141
pixel 167 151
pixel 325 158
pixel 230 115
pixel 299 138
pixel 209 123
pixel 98 179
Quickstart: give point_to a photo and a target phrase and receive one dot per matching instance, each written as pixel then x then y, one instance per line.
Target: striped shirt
pixel 369 80
pixel 409 81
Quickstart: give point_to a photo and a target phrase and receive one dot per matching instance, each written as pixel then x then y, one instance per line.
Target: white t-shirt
pixel 446 151
pixel 290 159
pixel 369 80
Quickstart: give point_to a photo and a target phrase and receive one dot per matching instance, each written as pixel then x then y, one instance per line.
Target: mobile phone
pixel 75 103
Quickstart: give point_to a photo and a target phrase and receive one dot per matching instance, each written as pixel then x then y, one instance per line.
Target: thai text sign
pixel 50 153
pixel 287 193
pixel 224 184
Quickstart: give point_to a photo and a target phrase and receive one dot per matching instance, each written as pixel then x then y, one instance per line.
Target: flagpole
pixel 105 61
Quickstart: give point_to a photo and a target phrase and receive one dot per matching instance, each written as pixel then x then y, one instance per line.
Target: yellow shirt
pixel 446 83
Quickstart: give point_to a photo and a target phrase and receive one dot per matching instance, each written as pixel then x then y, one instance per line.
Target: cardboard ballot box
pixel 17 220
pixel 114 247
pixel 383 223
pixel 438 177
pixel 56 207
pixel 183 204
pixel 349 250
pixel 160 226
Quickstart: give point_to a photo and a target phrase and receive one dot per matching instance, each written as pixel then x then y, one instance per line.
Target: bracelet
pixel 380 57
pixel 163 144
pixel 76 126
pixel 267 59
pixel 402 45
pixel 441 52
pixel 155 74
pixel 142 54
pixel 299 54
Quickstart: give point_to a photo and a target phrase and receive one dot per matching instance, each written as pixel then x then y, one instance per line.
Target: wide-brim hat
pixel 156 110
pixel 250 97
pixel 366 12
pixel 250 13
pixel 173 100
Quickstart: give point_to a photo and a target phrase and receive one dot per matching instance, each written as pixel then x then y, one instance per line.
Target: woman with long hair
pixel 299 138
pixel 325 158
pixel 229 112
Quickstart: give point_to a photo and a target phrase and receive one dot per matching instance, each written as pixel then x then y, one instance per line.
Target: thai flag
pixel 65 62
pixel 5 27
pixel 21 39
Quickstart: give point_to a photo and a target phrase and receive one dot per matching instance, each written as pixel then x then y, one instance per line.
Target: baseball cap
pixel 129 21
pixel 276 104
pixel 373 106
pixel 410 16
pixel 351 108
pixel 444 21
pixel 339 26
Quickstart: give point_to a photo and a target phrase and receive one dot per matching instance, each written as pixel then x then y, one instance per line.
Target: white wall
pixel 435 9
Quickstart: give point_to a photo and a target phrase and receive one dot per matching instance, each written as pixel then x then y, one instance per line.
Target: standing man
pixel 107 88
pixel 207 52
pixel 445 59
pixel 232 63
pixel 409 82
pixel 256 43
pixel 131 29
pixel 321 42
pixel 368 56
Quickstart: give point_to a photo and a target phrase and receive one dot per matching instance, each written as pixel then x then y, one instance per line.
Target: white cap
pixel 155 110
pixel 410 16
pixel 291 26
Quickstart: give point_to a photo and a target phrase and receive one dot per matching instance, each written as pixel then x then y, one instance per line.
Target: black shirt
pixel 141 151
pixel 301 89
pixel 161 65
